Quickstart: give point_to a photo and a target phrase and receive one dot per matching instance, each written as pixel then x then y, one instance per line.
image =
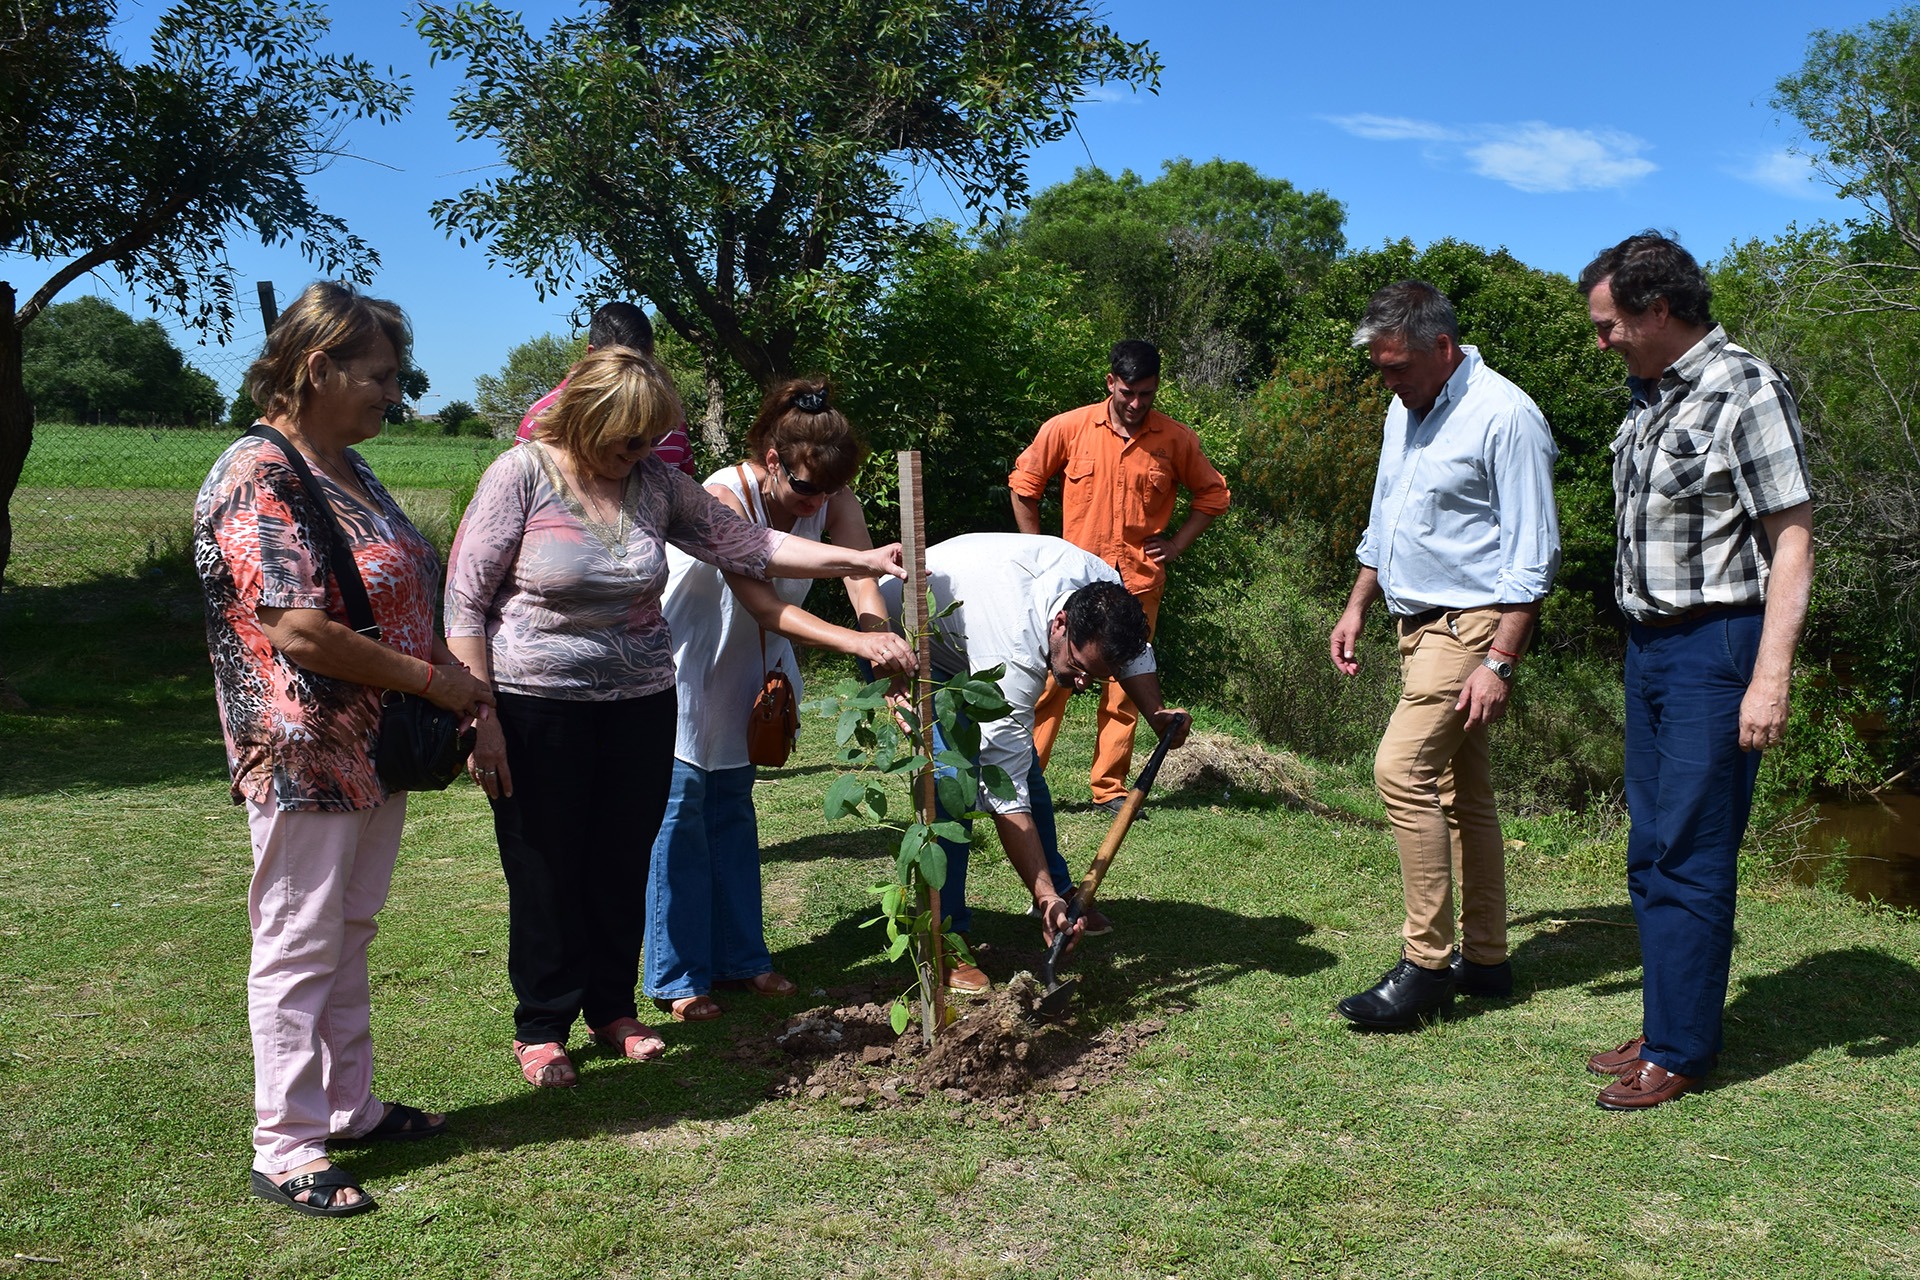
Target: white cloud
pixel 1393 128
pixel 1783 173
pixel 1531 156
pixel 1538 158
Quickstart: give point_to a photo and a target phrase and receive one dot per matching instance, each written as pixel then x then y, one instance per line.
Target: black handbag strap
pixel 353 591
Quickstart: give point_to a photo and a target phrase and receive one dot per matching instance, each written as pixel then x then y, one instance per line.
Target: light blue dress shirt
pixel 1463 513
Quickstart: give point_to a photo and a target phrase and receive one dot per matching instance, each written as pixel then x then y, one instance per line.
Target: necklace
pixel 616 526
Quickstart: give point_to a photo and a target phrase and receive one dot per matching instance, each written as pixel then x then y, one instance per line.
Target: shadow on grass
pixel 1572 947
pixel 879 844
pixel 116 682
pixel 1161 957
pixel 1862 1001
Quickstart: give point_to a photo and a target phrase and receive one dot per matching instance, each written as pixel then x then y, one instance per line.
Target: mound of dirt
pixel 1216 762
pixel 997 1052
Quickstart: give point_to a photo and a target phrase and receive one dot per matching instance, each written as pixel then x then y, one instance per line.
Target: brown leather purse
pixel 773 725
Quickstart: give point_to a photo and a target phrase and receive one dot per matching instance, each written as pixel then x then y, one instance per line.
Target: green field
pixel 101 501
pixel 71 457
pixel 1257 1135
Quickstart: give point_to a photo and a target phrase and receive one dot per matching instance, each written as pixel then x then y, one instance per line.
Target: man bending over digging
pixel 1042 607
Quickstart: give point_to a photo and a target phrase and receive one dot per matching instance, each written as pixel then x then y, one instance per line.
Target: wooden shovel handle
pixel 1083 896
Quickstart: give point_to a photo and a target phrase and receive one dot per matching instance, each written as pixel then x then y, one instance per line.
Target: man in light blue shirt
pixel 1462 543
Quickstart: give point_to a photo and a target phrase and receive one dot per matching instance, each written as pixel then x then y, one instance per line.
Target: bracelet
pixel 429 684
pixel 1494 648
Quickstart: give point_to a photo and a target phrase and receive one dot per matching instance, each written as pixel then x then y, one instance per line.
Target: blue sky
pixel 1552 130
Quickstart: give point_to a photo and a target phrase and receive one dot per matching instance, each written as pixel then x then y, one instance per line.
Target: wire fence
pixel 104 501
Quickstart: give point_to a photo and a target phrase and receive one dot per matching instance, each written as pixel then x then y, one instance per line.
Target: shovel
pixel 1059 991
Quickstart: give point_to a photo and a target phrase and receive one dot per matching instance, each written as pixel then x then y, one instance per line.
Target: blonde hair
pixel 612 395
pixel 799 423
pixel 327 317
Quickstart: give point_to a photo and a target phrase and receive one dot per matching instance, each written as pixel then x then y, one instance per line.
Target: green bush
pixel 1245 630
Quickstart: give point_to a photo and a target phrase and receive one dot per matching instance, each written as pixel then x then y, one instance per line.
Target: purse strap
pixel 751 499
pixel 353 591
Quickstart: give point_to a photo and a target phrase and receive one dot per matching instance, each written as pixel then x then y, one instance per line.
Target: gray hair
pixel 1413 311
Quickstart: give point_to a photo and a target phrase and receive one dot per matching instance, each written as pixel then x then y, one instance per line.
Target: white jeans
pixel 318 879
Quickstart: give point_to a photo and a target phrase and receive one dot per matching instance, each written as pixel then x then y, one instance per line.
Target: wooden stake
pixel 913 591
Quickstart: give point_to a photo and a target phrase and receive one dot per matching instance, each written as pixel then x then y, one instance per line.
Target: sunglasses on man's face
pixel 803 488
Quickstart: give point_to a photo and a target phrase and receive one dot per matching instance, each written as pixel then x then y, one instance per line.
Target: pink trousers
pixel 318 879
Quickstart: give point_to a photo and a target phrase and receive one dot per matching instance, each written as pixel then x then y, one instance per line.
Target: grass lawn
pixel 1256 1136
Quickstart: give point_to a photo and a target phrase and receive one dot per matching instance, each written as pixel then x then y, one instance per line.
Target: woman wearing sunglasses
pixel 704 927
pixel 553 598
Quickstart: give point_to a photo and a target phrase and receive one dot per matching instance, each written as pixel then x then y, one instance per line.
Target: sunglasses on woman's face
pixel 803 488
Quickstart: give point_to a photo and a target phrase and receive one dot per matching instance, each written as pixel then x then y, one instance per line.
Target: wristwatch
pixel 1502 669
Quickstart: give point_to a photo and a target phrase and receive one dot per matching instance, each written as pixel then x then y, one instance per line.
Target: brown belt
pixel 1698 613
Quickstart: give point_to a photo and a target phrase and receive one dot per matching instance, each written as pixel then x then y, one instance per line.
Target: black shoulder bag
pixel 421 747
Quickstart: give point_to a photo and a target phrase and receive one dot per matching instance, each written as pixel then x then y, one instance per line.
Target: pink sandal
pixel 546 1066
pixel 634 1042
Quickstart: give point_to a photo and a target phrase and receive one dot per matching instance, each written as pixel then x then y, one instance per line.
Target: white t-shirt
pixel 1011 585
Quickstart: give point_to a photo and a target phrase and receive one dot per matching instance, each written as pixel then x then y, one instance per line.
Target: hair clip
pixel 810 401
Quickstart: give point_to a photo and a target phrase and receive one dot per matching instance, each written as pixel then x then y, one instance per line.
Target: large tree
pixel 149 168
pixel 1857 95
pixel 89 361
pixel 749 166
pixel 1204 260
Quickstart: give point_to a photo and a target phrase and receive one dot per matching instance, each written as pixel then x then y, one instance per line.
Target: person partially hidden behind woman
pixel 299 694
pixel 704 925
pixel 553 597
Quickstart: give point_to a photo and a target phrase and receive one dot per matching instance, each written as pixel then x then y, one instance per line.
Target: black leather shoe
pixel 1405 997
pixel 1469 979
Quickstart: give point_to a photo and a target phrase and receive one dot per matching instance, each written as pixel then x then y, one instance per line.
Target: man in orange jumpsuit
pixel 1123 464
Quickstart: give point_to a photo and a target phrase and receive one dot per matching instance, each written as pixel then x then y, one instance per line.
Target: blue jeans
pixel 1689 790
pixel 953 895
pixel 704 922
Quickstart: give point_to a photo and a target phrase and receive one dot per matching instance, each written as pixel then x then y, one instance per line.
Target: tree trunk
pixel 713 424
pixel 16 437
pixel 16 422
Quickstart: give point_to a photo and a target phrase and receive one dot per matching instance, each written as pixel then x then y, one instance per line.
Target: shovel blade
pixel 1056 999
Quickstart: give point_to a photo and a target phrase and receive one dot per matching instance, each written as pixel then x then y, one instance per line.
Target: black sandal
pixel 402 1123
pixel 329 1182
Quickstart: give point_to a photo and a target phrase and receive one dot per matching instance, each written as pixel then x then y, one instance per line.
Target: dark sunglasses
pixel 804 488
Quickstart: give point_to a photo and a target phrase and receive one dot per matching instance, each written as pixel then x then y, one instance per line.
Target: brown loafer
pixel 1620 1058
pixel 1648 1085
pixel 968 979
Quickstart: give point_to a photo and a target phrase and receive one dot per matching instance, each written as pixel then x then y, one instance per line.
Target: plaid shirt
pixel 1700 458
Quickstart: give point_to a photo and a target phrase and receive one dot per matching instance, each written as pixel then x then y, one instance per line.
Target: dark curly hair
pixel 1643 268
pixel 1105 613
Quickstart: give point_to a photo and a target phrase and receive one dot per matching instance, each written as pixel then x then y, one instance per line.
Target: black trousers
pixel 590 783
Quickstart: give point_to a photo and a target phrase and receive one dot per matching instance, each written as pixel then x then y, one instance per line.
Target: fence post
pixel 269 309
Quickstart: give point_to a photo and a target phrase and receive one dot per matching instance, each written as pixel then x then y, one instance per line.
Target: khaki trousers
pixel 1436 780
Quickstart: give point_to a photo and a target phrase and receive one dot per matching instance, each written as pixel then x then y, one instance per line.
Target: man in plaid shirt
pixel 1715 560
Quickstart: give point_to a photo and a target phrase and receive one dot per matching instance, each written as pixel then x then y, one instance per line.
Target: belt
pixel 1698 613
pixel 1414 621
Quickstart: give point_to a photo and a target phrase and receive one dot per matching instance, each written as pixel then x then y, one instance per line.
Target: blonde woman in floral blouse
pixel 553 597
